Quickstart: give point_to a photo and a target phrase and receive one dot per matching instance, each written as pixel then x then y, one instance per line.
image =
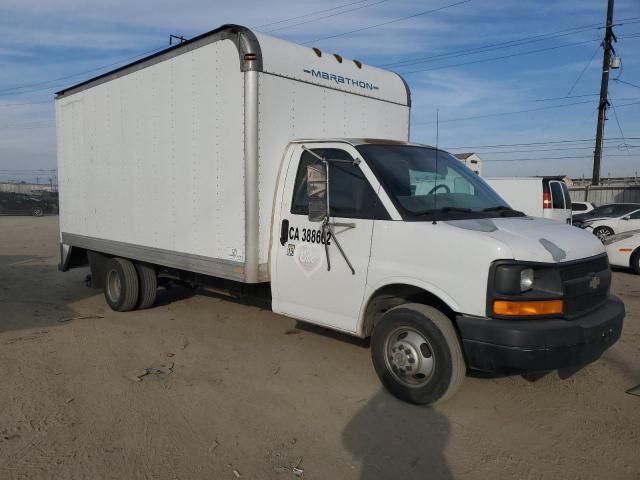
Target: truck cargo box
pixel 174 158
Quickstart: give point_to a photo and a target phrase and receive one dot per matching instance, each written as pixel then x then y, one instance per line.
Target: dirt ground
pixel 251 394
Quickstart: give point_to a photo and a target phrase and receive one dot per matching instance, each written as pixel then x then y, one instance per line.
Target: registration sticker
pixel 291 249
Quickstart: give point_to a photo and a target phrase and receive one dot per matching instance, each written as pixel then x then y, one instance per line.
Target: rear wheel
pixel 121 285
pixel 36 211
pixel 635 261
pixel 417 355
pixel 603 232
pixel 148 285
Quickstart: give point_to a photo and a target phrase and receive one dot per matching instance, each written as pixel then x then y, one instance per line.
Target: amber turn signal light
pixel 525 309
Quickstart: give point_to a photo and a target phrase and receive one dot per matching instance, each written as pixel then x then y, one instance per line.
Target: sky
pixel 497 72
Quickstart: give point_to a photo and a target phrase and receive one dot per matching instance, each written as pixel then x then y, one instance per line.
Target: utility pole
pixel 607 46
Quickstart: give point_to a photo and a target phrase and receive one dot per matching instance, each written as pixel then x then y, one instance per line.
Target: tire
pixel 603 232
pixel 148 285
pixel 434 368
pixel 36 211
pixel 635 261
pixel 121 285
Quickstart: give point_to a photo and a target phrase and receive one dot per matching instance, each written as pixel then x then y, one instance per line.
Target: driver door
pixel 304 286
pixel 630 221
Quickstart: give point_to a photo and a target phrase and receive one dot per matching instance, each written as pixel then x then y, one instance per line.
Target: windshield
pixel 612 210
pixel 421 185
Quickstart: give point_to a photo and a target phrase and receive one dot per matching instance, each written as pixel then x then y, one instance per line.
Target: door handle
pixel 284 232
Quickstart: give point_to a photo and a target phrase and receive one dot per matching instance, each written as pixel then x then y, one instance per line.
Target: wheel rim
pixel 603 233
pixel 409 357
pixel 114 286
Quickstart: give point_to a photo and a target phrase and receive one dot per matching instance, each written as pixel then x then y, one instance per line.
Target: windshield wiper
pixel 443 210
pixel 505 211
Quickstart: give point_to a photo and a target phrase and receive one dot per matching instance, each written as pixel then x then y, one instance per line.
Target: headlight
pixel 513 279
pixel 524 290
pixel 526 279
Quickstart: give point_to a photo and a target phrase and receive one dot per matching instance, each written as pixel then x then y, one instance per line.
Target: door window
pixel 567 195
pixel 635 215
pixel 350 194
pixel 557 197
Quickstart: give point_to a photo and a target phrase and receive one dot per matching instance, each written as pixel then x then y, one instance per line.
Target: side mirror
pixel 317 192
pixel 626 217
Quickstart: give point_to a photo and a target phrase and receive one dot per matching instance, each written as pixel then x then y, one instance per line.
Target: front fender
pixel 372 289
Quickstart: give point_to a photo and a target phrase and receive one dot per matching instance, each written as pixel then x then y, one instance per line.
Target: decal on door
pixel 309 235
pixel 309 258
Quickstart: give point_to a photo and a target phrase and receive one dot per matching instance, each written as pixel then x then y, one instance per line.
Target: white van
pixel 223 162
pixel 546 197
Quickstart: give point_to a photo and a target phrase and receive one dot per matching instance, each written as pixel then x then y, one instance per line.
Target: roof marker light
pixel 338 57
pixel 250 56
pixel 358 63
pixel 318 51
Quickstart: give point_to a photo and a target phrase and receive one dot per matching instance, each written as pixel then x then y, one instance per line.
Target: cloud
pixel 44 40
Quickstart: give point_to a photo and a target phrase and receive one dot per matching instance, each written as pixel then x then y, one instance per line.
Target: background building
pixel 471 160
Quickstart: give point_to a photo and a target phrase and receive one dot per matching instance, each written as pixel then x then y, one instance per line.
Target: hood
pixel 536 239
pixel 590 219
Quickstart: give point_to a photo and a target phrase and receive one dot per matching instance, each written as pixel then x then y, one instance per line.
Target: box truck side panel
pixel 302 63
pixel 523 194
pixel 152 162
pixel 291 109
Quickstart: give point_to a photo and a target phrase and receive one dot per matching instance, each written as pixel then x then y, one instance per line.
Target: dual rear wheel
pixel 128 285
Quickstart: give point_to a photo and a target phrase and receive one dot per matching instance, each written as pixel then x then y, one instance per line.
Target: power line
pixel 615 114
pixel 66 77
pixel 499 114
pixel 548 142
pixel 309 14
pixel 26 127
pixel 536 150
pixel 492 47
pixel 626 83
pixel 628 104
pixel 2 105
pixel 408 17
pixel 588 64
pixel 499 45
pixel 327 16
pixel 544 158
pixel 518 54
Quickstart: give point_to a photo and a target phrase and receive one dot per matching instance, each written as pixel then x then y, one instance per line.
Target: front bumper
pixel 538 345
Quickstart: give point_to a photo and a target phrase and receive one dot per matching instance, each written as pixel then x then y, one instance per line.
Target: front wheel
pixel 635 261
pixel 603 232
pixel 36 211
pixel 417 355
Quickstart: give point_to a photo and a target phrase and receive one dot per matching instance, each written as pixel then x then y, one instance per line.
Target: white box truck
pixel 237 160
pixel 545 197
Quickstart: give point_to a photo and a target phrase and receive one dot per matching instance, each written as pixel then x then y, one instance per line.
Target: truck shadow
pixel 34 294
pixel 393 439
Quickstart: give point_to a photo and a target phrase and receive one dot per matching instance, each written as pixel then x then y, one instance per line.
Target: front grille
pixel 585 285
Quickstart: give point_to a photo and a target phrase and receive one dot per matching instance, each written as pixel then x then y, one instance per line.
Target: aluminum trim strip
pixel 216 267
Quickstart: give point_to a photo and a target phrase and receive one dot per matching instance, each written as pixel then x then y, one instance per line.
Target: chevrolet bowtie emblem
pixel 595 281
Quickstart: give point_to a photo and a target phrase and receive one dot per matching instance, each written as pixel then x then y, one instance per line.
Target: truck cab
pixel 403 243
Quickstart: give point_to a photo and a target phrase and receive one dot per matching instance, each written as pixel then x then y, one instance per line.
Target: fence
pixel 26 187
pixel 601 195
